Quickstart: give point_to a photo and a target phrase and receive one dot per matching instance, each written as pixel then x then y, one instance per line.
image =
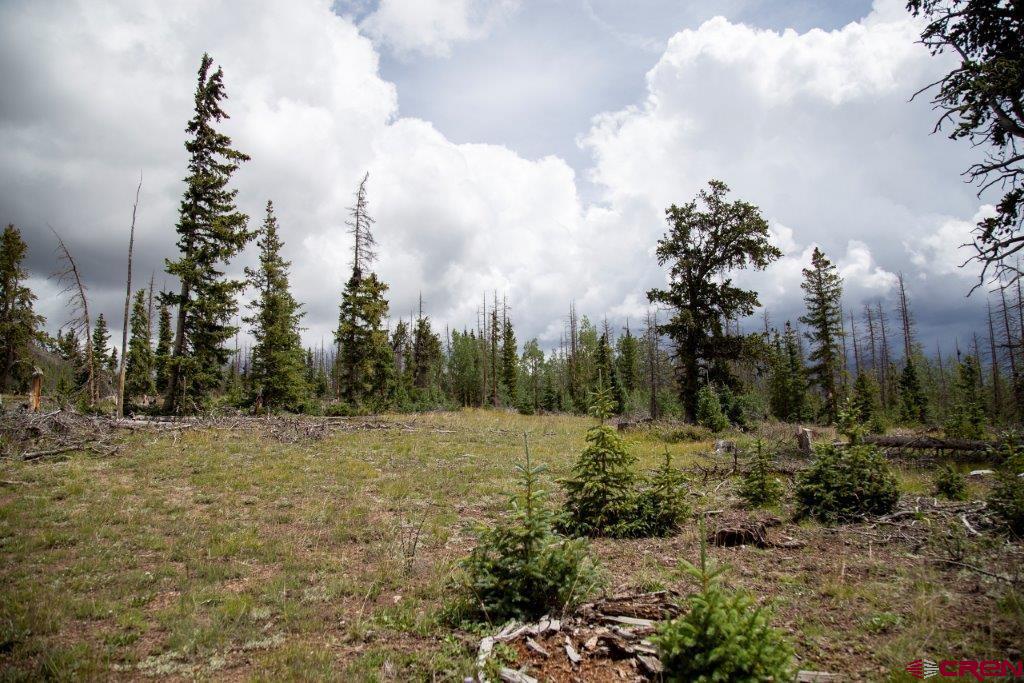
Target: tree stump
pixel 35 396
pixel 803 440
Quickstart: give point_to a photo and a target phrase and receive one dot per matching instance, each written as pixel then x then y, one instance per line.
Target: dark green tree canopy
pixel 139 365
pixel 18 321
pixel 210 232
pixel 277 377
pixel 709 238
pixel 823 291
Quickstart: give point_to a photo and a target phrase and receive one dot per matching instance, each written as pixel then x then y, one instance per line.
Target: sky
pixel 527 148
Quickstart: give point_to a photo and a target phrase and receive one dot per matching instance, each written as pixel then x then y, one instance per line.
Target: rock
pixel 815 677
pixel 980 473
pixel 723 446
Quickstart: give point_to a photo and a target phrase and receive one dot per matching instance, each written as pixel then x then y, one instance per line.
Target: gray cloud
pixel 814 126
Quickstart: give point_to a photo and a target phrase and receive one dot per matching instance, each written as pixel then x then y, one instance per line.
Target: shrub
pixel 522 569
pixel 1006 499
pixel 760 487
pixel 686 434
pixel 723 636
pixel 709 410
pixel 600 499
pixel 950 484
pixel 845 483
pixel 661 507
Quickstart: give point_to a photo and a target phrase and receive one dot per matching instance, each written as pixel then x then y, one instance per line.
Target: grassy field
pixel 227 554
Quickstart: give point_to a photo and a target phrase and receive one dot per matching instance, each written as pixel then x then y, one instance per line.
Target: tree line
pixel 689 358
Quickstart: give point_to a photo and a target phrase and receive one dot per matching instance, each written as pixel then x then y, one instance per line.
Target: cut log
pixel 924 442
pixel 803 440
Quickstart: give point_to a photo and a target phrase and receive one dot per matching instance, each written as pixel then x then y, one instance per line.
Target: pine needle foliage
pixel 709 410
pixel 760 486
pixel 661 507
pixel 278 373
pixel 966 419
pixel 521 568
pixel 211 231
pixel 139 365
pixel 600 493
pixel 950 484
pixel 1006 499
pixel 722 635
pixel 845 483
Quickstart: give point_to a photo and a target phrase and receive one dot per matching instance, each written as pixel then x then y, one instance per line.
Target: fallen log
pixel 925 442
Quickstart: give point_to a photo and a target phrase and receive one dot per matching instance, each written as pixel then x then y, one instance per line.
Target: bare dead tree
pixel 127 304
pixel 997 394
pixel 905 319
pixel 652 362
pixel 71 279
pixel 856 348
pixel 943 393
pixel 364 250
pixel 149 307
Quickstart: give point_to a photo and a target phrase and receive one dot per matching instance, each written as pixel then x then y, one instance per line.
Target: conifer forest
pixel 754 462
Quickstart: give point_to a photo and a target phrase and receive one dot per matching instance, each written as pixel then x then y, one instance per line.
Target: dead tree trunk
pixel 72 279
pixel 127 304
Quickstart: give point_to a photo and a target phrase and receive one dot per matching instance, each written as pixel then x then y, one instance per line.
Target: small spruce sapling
pixel 661 507
pixel 950 484
pixel 722 635
pixel 1007 497
pixel 760 487
pixel 709 410
pixel 521 568
pixel 600 498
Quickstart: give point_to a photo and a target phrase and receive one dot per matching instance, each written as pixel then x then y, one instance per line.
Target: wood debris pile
pixel 33 436
pixel 604 640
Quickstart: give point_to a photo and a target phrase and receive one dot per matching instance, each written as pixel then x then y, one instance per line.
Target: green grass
pixel 226 554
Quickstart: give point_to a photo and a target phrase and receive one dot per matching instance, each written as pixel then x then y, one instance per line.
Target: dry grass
pixel 221 554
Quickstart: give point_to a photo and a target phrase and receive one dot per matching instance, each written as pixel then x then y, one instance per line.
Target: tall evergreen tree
pixel 18 321
pixel 162 356
pixel 913 402
pixel 277 373
pixel 607 374
pixel 509 361
pixel 629 361
pixel 365 359
pixel 702 246
pixel 787 381
pixel 210 232
pixel 823 290
pixel 100 340
pixel 967 416
pixel 139 365
pixel 533 366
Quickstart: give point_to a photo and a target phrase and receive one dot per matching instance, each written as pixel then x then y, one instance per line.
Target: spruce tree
pixel 967 417
pixel 607 375
pixel 210 232
pixel 913 403
pixel 867 403
pixel 600 500
pixel 365 360
pixel 139 365
pixel 509 361
pixel 702 246
pixel 18 321
pixel 277 374
pixel 629 361
pixel 100 339
pixel 823 290
pixel 787 381
pixel 426 356
pixel 112 362
pixel 162 356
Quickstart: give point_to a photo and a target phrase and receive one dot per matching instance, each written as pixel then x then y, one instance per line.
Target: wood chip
pixel 815 677
pixel 571 653
pixel 513 676
pixel 651 664
pixel 629 621
pixel 536 647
